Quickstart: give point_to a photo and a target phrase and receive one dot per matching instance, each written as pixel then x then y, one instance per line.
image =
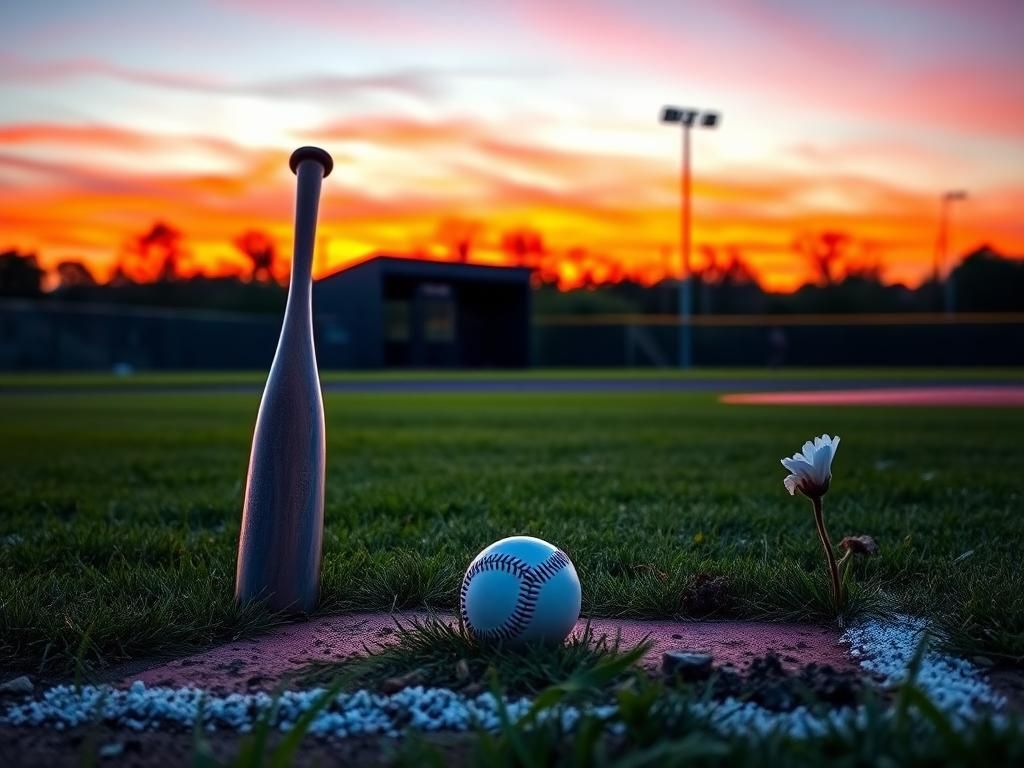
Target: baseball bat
pixel 280 546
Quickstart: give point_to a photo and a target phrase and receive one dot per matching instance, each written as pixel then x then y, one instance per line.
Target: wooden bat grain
pixel 279 550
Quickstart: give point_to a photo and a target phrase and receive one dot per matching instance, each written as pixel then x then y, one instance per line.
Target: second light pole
pixel 942 249
pixel 687 118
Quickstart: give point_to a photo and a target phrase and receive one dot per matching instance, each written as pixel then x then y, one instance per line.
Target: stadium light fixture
pixel 687 117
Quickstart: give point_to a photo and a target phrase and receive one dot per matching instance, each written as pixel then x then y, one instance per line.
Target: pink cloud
pixel 411 22
pixel 771 52
pixel 422 85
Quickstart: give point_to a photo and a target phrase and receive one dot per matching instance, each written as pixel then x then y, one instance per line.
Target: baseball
pixel 518 590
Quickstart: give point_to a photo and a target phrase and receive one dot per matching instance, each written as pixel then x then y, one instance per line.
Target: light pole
pixel 942 246
pixel 687 118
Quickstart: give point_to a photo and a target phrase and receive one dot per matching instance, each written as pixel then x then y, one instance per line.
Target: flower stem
pixel 845 564
pixel 826 544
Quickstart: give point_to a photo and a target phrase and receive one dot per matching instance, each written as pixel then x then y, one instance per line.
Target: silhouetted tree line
pixel 151 270
pixel 20 274
pixel 984 281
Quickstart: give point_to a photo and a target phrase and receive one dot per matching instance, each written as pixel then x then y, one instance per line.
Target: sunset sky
pixel 491 117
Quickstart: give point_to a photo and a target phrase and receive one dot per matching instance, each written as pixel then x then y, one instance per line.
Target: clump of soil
pixel 706 595
pixel 766 682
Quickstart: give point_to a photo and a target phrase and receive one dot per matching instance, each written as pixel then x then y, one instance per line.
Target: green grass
pixel 435 653
pixel 657 727
pixel 119 514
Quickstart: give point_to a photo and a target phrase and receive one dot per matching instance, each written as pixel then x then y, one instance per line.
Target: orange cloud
pixel 601 216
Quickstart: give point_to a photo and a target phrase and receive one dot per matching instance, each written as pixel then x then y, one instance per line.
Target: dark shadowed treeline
pixel 985 281
pixel 228 294
pixel 150 274
pixel 153 270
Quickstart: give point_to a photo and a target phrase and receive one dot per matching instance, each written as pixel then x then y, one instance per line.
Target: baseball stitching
pixel 531 580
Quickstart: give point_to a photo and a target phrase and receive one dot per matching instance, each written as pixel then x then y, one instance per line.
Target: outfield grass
pixel 119 514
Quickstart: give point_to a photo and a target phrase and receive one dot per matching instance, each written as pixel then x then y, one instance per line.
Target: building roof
pixel 430 269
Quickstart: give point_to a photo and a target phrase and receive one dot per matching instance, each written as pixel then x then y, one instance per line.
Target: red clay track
pixel 264 662
pixel 963 396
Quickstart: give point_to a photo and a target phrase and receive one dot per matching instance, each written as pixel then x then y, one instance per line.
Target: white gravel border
pixel 884 649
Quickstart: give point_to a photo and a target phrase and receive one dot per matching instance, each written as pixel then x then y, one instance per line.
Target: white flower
pixel 812 469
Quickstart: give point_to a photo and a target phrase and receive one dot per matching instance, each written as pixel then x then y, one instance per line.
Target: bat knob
pixel 311 153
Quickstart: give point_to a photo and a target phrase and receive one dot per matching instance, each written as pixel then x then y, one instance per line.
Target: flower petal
pixel 797 466
pixel 811 467
pixel 822 464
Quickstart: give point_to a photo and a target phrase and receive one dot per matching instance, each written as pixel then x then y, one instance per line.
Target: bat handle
pixel 311 153
pixel 311 165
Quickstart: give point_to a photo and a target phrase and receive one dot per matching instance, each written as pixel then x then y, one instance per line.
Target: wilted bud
pixel 860 545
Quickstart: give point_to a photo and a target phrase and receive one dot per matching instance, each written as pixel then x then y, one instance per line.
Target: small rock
pixel 687 665
pixel 113 749
pixel 395 684
pixel 18 686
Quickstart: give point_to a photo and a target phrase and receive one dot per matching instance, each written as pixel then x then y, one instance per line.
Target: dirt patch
pixel 268 661
pixel 774 665
pixel 769 683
